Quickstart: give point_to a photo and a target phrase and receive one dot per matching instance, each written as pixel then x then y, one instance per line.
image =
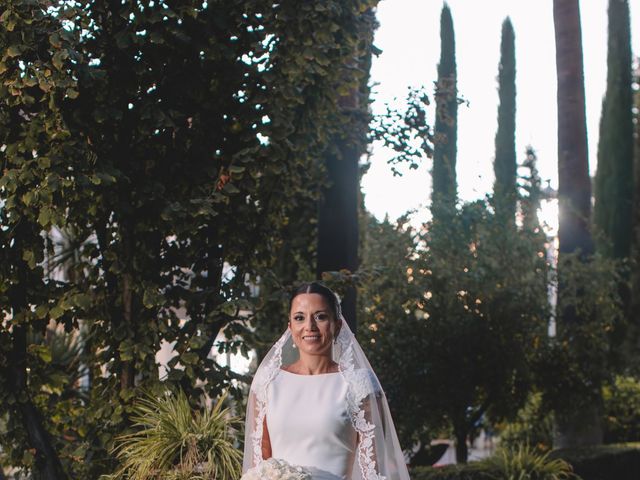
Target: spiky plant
pixel 173 441
pixel 525 463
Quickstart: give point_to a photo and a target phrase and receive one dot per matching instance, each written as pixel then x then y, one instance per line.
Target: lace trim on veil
pixel 360 385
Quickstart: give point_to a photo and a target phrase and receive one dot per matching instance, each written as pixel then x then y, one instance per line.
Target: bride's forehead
pixel 309 301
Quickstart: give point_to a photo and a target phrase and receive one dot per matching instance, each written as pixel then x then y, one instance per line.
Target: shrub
pixel 525 463
pixel 622 410
pixel 532 426
pixel 469 471
pixel 172 441
pixel 521 463
pixel 603 462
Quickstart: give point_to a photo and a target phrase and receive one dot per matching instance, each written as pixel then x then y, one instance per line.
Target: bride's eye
pixel 321 316
pixel 298 318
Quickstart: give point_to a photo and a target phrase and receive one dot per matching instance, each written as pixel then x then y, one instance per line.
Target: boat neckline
pixel 309 375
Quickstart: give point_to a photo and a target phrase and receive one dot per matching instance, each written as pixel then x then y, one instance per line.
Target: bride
pixel 315 402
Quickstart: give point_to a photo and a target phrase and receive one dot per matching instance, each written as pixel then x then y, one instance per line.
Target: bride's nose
pixel 311 323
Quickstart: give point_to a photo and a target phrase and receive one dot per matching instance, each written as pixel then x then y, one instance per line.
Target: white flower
pixel 276 469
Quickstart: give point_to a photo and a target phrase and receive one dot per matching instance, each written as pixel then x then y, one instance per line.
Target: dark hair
pixel 320 289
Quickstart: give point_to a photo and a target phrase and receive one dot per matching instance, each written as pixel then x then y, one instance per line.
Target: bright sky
pixel 409 35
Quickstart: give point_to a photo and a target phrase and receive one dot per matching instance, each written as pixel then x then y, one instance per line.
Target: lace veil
pixel 378 453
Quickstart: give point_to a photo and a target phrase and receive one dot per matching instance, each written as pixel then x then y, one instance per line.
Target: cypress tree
pixel 531 203
pixel 614 177
pixel 504 165
pixel 444 155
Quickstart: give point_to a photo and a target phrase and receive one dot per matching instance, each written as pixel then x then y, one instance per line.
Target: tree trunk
pixel 127 371
pixel 634 304
pixel 462 451
pixel 574 187
pixel 338 220
pixel 47 461
pixel 338 225
pixel 576 426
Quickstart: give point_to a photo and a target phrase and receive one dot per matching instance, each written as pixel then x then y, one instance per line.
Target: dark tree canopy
pixel 170 142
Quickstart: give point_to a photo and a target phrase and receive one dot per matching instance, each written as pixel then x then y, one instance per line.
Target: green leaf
pixel 44 217
pixel 189 358
pixel 59 58
pixel 82 300
pixel 197 342
pixel 42 351
pixel 54 40
pixel 152 298
pixel 41 311
pixel 27 198
pixel 72 93
pixel 56 312
pixel 14 51
pixel 28 458
pixel 126 350
pixel 29 81
pixel 229 308
pixel 29 257
pixel 44 162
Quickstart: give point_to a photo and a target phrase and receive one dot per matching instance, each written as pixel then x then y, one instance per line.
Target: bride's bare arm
pixel 266 441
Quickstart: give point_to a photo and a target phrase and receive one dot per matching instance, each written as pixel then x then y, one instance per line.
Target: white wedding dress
pixel 335 425
pixel 309 424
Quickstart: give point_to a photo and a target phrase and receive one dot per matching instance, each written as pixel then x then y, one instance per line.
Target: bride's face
pixel 312 324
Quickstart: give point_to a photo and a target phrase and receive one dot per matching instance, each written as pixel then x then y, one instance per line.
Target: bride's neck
pixel 315 364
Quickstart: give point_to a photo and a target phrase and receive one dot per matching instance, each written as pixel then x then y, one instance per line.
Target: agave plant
pixel 526 463
pixel 173 441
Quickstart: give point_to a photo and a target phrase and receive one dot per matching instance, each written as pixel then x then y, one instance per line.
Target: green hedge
pixel 470 471
pixel 604 462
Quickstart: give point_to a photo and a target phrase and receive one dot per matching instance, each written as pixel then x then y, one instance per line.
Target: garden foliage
pixel 163 144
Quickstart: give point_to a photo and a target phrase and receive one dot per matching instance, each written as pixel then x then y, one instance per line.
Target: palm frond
pixel 173 441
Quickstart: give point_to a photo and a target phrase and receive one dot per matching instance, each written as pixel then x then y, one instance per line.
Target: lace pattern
pixel 360 386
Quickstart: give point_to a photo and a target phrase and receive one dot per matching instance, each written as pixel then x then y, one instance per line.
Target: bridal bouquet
pixel 275 469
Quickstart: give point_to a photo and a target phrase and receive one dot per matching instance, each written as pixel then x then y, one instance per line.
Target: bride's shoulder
pixel 363 382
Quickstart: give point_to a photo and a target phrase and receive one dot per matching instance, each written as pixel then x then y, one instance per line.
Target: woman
pixel 316 403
